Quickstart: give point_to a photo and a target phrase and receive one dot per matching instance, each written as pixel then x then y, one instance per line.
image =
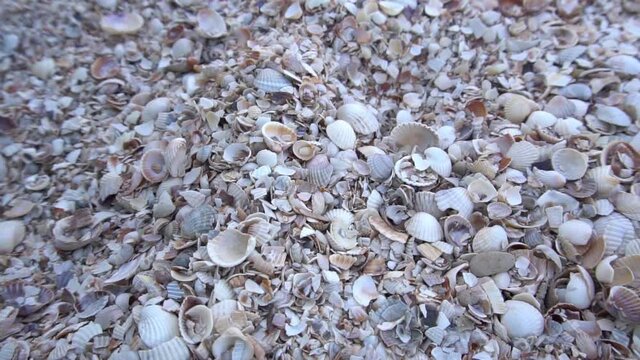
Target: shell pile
pixel 320 179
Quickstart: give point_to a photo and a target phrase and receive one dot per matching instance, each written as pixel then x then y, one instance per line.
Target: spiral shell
pixel 425 227
pixel 359 117
pixel 342 134
pixel 278 137
pixel 153 166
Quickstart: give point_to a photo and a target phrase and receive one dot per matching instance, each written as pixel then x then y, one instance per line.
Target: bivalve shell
pixel 199 221
pixel 232 344
pixel 152 166
pixel 266 157
pixel 517 108
pixel 415 135
pixel 304 150
pixel 575 231
pixel 425 227
pixel 482 191
pixel 456 198
pixel 157 326
pixel 541 120
pixel 342 134
pixel 493 238
pixel 522 320
pixel 269 80
pixel 364 290
pixel 320 170
pixel 359 117
pixel 237 154
pixel 381 166
pixel 121 24
pixel 522 154
pixel 550 179
pixel 230 248
pixel 210 23
pixel 570 163
pixel 278 137
pixel 624 303
pixel 560 106
pixel 624 64
pixel 12 233
pixel 176 157
pixel 612 115
pixel 194 320
pixel 174 349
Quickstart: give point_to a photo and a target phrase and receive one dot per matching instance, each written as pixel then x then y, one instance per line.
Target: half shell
pixel 425 227
pixel 194 320
pixel 210 23
pixel 342 134
pixel 415 135
pixel 359 117
pixel 493 238
pixel 575 231
pixel 570 163
pixel 364 290
pixel 120 24
pixel 230 248
pixel 174 349
pixel 320 170
pixel 522 154
pixel 12 233
pixel 157 326
pixel 232 344
pixel 269 80
pixel 304 150
pixel 381 166
pixel 278 137
pixel 517 108
pixel 522 320
pixel 176 158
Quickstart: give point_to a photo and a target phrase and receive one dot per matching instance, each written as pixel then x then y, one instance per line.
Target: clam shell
pixel 174 349
pixel 439 161
pixel 199 221
pixel 365 290
pixel 493 238
pixel 269 80
pixel 580 289
pixel 152 166
pixel 120 24
pixel 624 303
pixel 612 115
pixel 568 127
pixel 575 231
pixel 560 106
pixel 232 344
pixel 482 191
pixel 195 320
pixel 517 108
pixel 267 158
pixel 498 210
pixel 522 154
pixel 359 117
pixel 104 67
pixel 342 134
pixel 304 150
pixel 407 171
pixel 154 108
pixel 81 338
pixel 237 154
pixel 375 200
pixel 175 157
pixel 577 91
pixel 616 230
pixel 320 170
pixel 157 326
pixel 12 233
pixel 387 230
pixel 541 120
pixel 632 106
pixel 425 227
pixel 553 198
pixel 230 248
pixel 341 261
pixel 415 135
pixel 570 163
pixel 381 166
pixel 550 179
pixel 210 23
pixel 628 204
pixel 522 320
pixel 624 64
pixel 278 137
pixel 457 199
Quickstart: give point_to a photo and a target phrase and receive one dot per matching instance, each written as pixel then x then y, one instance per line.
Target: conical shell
pixel 237 154
pixel 624 303
pixel 456 198
pixel 522 154
pixel 194 320
pixel 232 344
pixel 230 248
pixel 365 290
pixel 359 117
pixel 570 163
pixel 210 23
pixel 342 134
pixel 320 170
pixel 415 135
pixel 278 137
pixel 482 191
pixel 304 150
pixel 381 166
pixel 575 231
pixel 522 320
pixel 517 108
pixel 269 80
pixel 550 179
pixel 152 166
pixel 174 349
pixel 157 326
pixel 425 227
pixel 12 233
pixel 493 238
pixel 176 158
pixel 199 221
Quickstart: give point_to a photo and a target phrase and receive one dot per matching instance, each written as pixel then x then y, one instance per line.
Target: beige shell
pixel 230 248
pixel 341 261
pixel 628 204
pixel 12 233
pixel 541 120
pixel 174 349
pixel 320 170
pixel 387 230
pixel 482 191
pixel 157 326
pixel 210 23
pixel 522 154
pixel 152 166
pixel 570 163
pixel 517 108
pixel 194 320
pixel 624 303
pixel 120 24
pixel 492 238
pixel 455 198
pixel 364 290
pixel 425 227
pixel 232 344
pixel 176 158
pixel 549 178
pixel 359 117
pixel 237 154
pixel 415 135
pixel 575 231
pixel 304 150
pixel 381 166
pixel 342 134
pixel 603 177
pixel 522 320
pixel 278 137
pixel 269 80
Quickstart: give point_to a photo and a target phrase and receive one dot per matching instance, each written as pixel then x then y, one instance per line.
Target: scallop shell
pixel 541 120
pixel 258 228
pixel 616 230
pixel 517 108
pixel 304 150
pixel 341 261
pixel 560 106
pixel 365 290
pixel 439 161
pixel 342 134
pixel 12 233
pixel 628 204
pixel 359 117
pixel 230 248
pixel 195 320
pixel 153 167
pixel 425 227
pixel 268 158
pixel 157 326
pixel 381 166
pixel 522 320
pixel 174 349
pixel 154 108
pixel 482 191
pixel 605 182
pixel 237 154
pixel 624 303
pixel 210 23
pixel 415 135
pixel 269 80
pixel 568 127
pixel 550 179
pixel 278 137
pixel 457 199
pixel 425 201
pixel 81 338
pixel 199 221
pixel 408 171
pixel 492 238
pixel 570 163
pixel 120 24
pixel 320 170
pixel 522 154
pixel 575 231
pixel 175 157
pixel 232 344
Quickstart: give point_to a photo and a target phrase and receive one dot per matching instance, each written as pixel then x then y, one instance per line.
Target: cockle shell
pixel 269 80
pixel 359 117
pixel 278 137
pixel 195 320
pixel 425 227
pixel 560 106
pixel 522 154
pixel 492 238
pixel 522 320
pixel 210 23
pixel 232 344
pixel 612 115
pixel 365 290
pixel 628 204
pixel 304 150
pixel 541 120
pixel 120 24
pixel 425 201
pixel 616 230
pixel 570 163
pixel 624 64
pixel 154 108
pixel 174 349
pixel 438 161
pixel 157 326
pixel 415 134
pixel 268 158
pixel 498 210
pixel 230 248
pixel 342 134
pixel 575 231
pixel 456 198
pixel 175 157
pixel 482 191
pixel 580 289
pixel 109 185
pixel 320 170
pixel 199 221
pixel 605 182
pixel 12 233
pixel 237 154
pixel 517 107
pixel 82 337
pixel 342 236
pixel 624 303
pixel 152 166
pixel 577 91
pixel 550 179
pixel 381 166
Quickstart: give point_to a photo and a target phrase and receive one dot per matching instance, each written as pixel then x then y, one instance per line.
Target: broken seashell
pixel 522 154
pixel 304 150
pixel 624 64
pixel 580 290
pixel 493 238
pixel 560 106
pixel 237 154
pixel 570 163
pixel 575 231
pixel 174 349
pixel 482 191
pixel 278 137
pixel 81 338
pixel 230 248
pixel 359 117
pixel 320 170
pixel 455 198
pixel 153 167
pixel 425 227
pixel 341 236
pixel 121 24
pixel 232 344
pixel 342 134
pixel 605 182
pixel 415 135
pixel 176 158
pixel 341 261
pixel 458 230
pixel 522 320
pixel 438 161
pixel 157 326
pixel 12 233
pixel 491 263
pixel 195 320
pixel 364 290
pixel 210 23
pixel 498 210
pixel 385 229
pixel 550 179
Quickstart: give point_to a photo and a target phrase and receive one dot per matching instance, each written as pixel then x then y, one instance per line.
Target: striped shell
pixel 342 134
pixel 230 248
pixel 341 261
pixel 176 158
pixel 492 238
pixel 517 108
pixel 82 337
pixel 359 117
pixel 381 166
pixel 522 154
pixel 425 201
pixel 278 137
pixel 560 106
pixel 624 303
pixel 199 221
pixel 425 227
pixel 320 170
pixel 616 230
pixel 157 326
pixel 269 80
pixel 612 115
pixel 174 349
pixel 522 320
pixel 415 134
pixel 152 166
pixel 570 163
pixel 628 204
pixel 456 198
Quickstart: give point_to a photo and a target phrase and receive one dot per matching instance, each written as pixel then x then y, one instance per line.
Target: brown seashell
pixel 278 137
pixel 342 262
pixel 104 67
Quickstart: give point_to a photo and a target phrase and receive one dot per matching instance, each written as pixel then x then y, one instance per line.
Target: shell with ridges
pixel 439 161
pixel 455 198
pixel 624 303
pixel 342 134
pixel 381 166
pixel 517 108
pixel 359 117
pixel 82 337
pixel 320 170
pixel 425 227
pixel 522 320
pixel 174 349
pixel 415 134
pixel 152 166
pixel 199 221
pixel 176 158
pixel 492 238
pixel 157 326
pixel 522 154
pixel 230 248
pixel 570 163
pixel 549 178
pixel 341 261
pixel 269 80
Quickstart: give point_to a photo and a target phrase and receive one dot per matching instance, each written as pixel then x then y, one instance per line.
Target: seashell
pixel 364 290
pixel 210 23
pixel 342 236
pixel 632 106
pixel 359 117
pixel 457 199
pixel 409 172
pixel 193 198
pixel 199 221
pixel 522 320
pixel 12 233
pixel 415 135
pixel 522 154
pixel 568 127
pixel 157 326
pixel 438 161
pixel 269 81
pixel 541 120
pixel 575 231
pixel 385 229
pixel 19 208
pixel 624 64
pixel 340 215
pixel 258 228
pixel 612 115
pixel 176 158
pixel 570 163
pixel 304 150
pixel 320 170
pixel 493 238
pixel 628 204
pixel 498 210
pixel 66 231
pixel 342 134
pixel 560 106
pixel 569 55
pixel 550 179
pixel 517 107
pixel 278 137
pixel 82 337
pixel 294 11
pixel 425 227
pixel 154 108
pixel 232 344
pixel 91 303
pixel 268 158
pixel 237 154
pixel 580 289
pixel 341 261
pixel 174 349
pixel 164 207
pixel 425 201
pixel 121 24
pixel 104 67
pixel 44 68
pixel 381 166
pixel 623 303
pixel 577 91
pixel 553 198
pixel 230 248
pixel 153 167
pixel 605 182
pixel 195 320
pixel 481 191
pixel 564 37
pixel 109 185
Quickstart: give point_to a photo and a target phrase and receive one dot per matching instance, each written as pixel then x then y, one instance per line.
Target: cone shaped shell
pixel 425 227
pixel 570 163
pixel 230 248
pixel 278 137
pixel 342 134
pixel 359 117
pixel 157 326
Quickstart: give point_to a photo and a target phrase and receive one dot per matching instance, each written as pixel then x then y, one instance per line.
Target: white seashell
pixel 553 197
pixel 522 154
pixel 541 120
pixel 381 166
pixel 624 64
pixel 624 303
pixel 522 320
pixel 605 271
pixel 482 191
pixel 278 137
pixel 493 238
pixel 425 201
pixel 554 216
pixel 517 107
pixel 269 80
pixel 12 233
pixel 294 11
pixel 340 215
pixel 182 48
pixel 109 185
pixel 604 207
pixel 568 127
pixel 577 91
pixel 266 158
pixel 632 106
pixel 164 207
pixel 230 248
pixel 120 24
pixel 390 7
pixel 44 68
pixel 154 108
pixel 153 167
pixel 550 179
pixel 320 170
pixel 232 344
pixel 304 150
pixel 193 198
pixel 195 320
pixel 342 134
pixel 612 115
pixel 605 182
pixel 237 154
pixel 157 326
pixel 365 290
pixel 375 200
pixel 628 204
pixel 210 24
pixel 570 163
pixel 498 210
pixel 82 337
pixel 616 230
pixel 446 136
pixel 425 227
pixel 560 106
pixel 359 117
pixel 415 135
pixel 439 161
pixel 176 157
pixel 575 231
pixel 174 349
pixel 456 198
pixel 580 290
pixel 342 236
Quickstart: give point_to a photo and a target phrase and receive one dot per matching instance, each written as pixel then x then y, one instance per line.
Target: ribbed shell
pixel 341 261
pixel 381 166
pixel 624 304
pixel 439 161
pixel 612 115
pixel 266 158
pixel 359 117
pixel 157 326
pixel 570 163
pixel 152 166
pixel 577 91
pixel 320 170
pixel 560 106
pixel 457 199
pixel 517 108
pixel 493 238
pixel 425 227
pixel 232 344
pixel 176 158
pixel 174 349
pixel 269 80
pixel 628 204
pixel 342 134
pixel 425 201
pixel 616 230
pixel 550 179
pixel 522 320
pixel 415 134
pixel 522 155
pixel 82 337
pixel 541 120
pixel 199 221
